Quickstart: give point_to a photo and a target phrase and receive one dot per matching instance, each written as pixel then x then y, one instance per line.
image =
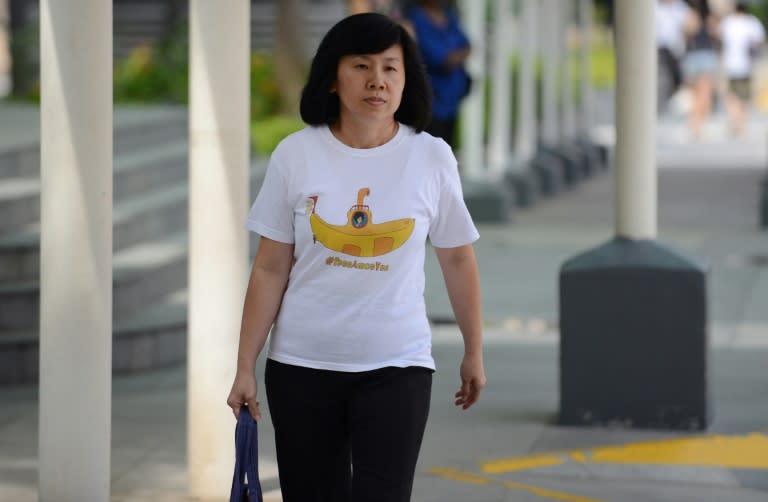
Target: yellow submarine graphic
pixel 360 236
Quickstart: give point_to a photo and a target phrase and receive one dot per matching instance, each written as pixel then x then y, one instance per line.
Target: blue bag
pixel 246 460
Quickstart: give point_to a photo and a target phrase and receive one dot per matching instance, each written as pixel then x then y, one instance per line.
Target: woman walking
pixel 344 213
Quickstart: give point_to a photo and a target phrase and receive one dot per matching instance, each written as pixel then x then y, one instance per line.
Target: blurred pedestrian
pixel 349 367
pixel 700 63
pixel 445 48
pixel 742 36
pixel 671 16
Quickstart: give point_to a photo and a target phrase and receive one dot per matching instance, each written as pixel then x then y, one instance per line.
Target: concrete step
pixel 19 202
pixel 137 219
pixel 141 275
pixel 131 132
pixel 153 337
pixel 150 261
pixel 134 172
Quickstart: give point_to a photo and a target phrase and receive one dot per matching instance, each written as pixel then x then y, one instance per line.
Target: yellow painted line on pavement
pixel 730 452
pixel 456 475
pixel 521 463
pixel 468 477
pixel 579 457
pixel 733 452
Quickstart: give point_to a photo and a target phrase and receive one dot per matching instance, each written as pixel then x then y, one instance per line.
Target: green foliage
pixel 265 93
pixel 601 13
pixel 154 73
pixel 760 10
pixel 160 74
pixel 603 66
pixel 267 132
pixel 24 43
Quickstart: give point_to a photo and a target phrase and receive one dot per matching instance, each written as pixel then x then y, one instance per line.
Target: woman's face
pixel 370 86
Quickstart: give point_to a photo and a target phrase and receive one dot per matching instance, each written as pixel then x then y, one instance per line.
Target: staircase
pixel 149 239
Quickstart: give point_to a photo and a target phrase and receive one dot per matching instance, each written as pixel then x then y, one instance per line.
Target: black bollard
pixel 633 338
pixel 523 181
pixel 550 173
pixel 488 202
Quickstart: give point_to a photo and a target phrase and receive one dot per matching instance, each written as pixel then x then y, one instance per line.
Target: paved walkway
pixel 508 448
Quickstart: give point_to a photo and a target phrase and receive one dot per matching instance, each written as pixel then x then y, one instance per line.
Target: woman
pixel 700 63
pixel 445 49
pixel 743 35
pixel 349 367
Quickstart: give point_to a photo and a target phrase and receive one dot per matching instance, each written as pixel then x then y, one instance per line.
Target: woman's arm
pixel 269 278
pixel 462 281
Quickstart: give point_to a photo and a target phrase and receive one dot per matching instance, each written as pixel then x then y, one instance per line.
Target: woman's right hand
pixel 244 393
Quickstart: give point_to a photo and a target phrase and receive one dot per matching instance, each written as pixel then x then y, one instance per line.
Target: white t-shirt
pixel 739 32
pixel 359 220
pixel 670 22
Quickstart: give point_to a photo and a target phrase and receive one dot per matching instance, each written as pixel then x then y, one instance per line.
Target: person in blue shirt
pixel 444 48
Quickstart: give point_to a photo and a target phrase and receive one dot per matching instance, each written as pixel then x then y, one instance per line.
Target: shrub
pixel 268 132
pixel 154 73
pixel 265 93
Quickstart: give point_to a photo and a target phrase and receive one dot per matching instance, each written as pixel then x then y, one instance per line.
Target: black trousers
pixel 347 437
pixel 671 65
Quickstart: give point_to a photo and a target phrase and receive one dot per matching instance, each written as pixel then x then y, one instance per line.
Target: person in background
pixel 344 213
pixel 742 35
pixel 700 63
pixel 671 16
pixel 445 49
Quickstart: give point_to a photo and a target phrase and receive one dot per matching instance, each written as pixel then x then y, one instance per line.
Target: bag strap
pixel 246 459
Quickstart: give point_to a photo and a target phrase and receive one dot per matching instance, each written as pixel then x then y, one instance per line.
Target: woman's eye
pixel 361 66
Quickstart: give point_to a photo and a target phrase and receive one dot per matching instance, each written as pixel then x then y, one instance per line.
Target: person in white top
pixel 742 34
pixel 344 214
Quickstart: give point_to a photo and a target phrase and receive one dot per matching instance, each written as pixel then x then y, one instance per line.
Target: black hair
pixel 702 8
pixel 742 7
pixel 366 33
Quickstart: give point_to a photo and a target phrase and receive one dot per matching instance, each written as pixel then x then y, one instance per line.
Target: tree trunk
pixel 289 53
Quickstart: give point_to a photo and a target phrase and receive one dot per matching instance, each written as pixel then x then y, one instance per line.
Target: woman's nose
pixel 376 81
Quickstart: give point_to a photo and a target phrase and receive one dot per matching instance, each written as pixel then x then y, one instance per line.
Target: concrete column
pixel 548 26
pixel 635 120
pixel 472 162
pixel 526 135
pixel 585 20
pixel 75 250
pixel 501 86
pixel 218 254
pixel 568 99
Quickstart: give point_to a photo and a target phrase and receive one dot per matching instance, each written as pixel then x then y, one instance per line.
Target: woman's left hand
pixel 472 380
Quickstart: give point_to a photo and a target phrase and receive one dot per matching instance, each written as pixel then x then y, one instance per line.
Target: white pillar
pixel 585 110
pixel 548 26
pixel 568 99
pixel 526 136
pixel 501 85
pixel 75 250
pixel 635 119
pixel 473 15
pixel 218 254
